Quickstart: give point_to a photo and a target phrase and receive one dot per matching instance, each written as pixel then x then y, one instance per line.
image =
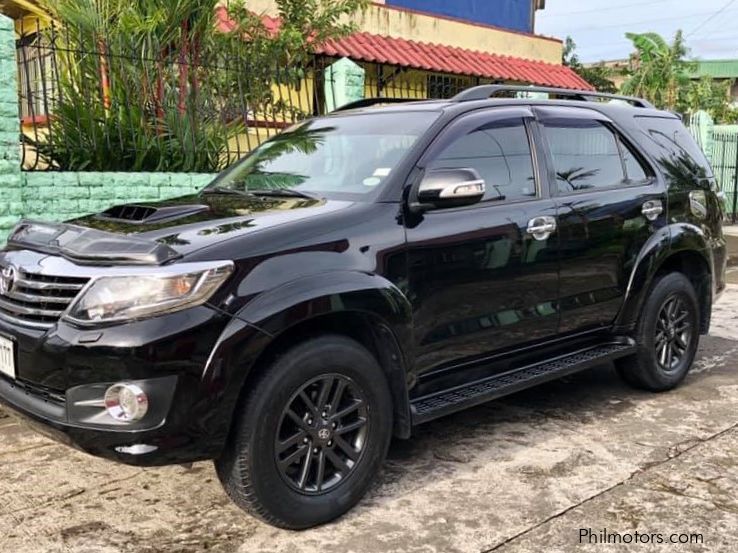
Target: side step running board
pixel 454 399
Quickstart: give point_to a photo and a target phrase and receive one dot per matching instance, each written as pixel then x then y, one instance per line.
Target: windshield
pixel 351 154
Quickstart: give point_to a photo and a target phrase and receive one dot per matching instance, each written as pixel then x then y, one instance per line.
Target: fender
pixel 667 241
pixel 279 308
pixel 273 312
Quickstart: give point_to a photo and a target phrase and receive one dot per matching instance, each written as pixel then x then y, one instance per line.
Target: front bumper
pixel 147 442
pixel 62 375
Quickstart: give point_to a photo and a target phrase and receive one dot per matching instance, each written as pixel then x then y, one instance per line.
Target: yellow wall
pixel 382 20
pixel 618 67
pixel 410 84
pixel 27 14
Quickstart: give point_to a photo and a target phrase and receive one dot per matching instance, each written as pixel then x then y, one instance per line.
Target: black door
pixel 478 280
pixel 609 204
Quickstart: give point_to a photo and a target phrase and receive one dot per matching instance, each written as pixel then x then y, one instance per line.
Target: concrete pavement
pixel 524 474
pixel 731 240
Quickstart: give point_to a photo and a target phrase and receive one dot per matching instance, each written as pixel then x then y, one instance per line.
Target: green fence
pixel 720 144
pixel 724 160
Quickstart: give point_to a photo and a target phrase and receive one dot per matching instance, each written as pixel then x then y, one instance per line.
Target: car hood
pixel 190 223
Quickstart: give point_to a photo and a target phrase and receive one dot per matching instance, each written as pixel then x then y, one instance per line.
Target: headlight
pixel 144 293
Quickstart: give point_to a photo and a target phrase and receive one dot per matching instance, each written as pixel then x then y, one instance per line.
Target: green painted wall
pixel 10 173
pixel 53 195
pixel 58 196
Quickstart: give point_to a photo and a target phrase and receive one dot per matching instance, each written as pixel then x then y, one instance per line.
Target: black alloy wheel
pixel 322 434
pixel 673 332
pixel 310 434
pixel 667 335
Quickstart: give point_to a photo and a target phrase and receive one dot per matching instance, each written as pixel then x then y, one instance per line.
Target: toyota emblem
pixel 7 279
pixel 324 433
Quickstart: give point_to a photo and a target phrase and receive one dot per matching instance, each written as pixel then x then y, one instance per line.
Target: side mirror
pixel 449 188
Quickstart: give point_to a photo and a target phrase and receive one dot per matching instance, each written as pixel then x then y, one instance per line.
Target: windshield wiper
pixel 283 192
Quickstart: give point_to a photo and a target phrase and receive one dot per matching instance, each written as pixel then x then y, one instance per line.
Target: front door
pixel 479 281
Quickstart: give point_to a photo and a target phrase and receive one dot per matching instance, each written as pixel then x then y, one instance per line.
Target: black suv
pixel 360 274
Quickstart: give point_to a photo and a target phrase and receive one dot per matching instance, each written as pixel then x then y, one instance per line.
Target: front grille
pixel 42 392
pixel 38 300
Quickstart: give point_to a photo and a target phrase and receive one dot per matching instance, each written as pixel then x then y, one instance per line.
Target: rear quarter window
pixel 674 149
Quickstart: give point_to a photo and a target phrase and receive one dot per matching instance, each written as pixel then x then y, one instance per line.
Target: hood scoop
pixel 143 214
pixel 89 246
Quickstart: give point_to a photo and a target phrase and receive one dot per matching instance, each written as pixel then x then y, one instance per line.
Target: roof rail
pixel 368 102
pixel 485 91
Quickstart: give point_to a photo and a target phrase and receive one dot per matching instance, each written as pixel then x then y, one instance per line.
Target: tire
pixel 269 480
pixel 669 326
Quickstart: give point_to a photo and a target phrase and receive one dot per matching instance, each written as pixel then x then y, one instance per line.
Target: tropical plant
pixel 599 76
pixel 710 95
pixel 160 85
pixel 660 71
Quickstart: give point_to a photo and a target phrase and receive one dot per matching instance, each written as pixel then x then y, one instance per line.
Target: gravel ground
pixel 527 473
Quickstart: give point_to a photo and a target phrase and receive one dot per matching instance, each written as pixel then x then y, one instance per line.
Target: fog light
pixel 136 449
pixel 126 402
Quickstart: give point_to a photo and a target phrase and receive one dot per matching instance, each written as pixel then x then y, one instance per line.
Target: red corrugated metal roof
pixel 450 59
pixel 225 24
pixel 435 57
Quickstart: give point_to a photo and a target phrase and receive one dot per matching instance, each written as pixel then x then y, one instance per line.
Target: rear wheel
pixel 667 336
pixel 311 436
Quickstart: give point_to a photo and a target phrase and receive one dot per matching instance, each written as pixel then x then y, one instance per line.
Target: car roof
pixel 611 109
pixel 405 106
pixel 486 96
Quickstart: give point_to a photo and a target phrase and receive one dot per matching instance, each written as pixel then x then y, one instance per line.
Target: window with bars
pixel 445 86
pixel 35 82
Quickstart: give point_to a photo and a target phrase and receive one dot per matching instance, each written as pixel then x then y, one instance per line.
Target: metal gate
pixel 724 164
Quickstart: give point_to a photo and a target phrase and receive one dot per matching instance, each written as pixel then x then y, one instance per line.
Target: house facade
pixel 475 25
pixel 422 51
pixel 517 15
pixel 429 51
pixel 25 13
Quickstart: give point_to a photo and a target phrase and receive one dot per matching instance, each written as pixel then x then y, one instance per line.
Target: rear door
pixel 479 281
pixel 609 202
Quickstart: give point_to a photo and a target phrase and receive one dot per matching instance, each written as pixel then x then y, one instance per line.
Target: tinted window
pixel 673 147
pixel 500 152
pixel 634 171
pixel 585 154
pixel 337 155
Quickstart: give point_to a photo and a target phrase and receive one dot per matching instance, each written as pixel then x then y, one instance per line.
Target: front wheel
pixel 667 336
pixel 311 436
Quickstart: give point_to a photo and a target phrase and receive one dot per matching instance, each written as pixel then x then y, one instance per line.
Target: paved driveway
pixel 524 474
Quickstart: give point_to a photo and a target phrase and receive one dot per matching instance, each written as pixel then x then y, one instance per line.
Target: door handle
pixel 541 227
pixel 652 209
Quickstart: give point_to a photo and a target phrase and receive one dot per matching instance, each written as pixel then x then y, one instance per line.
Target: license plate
pixel 7 357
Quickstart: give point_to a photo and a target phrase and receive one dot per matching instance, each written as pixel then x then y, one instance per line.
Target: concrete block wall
pixel 11 202
pixel 55 195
